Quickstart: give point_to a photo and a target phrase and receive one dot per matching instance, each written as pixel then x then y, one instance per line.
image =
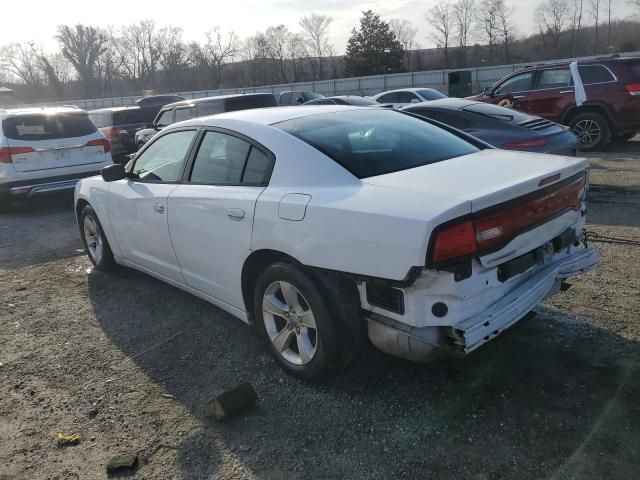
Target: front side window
pixel 370 143
pixel 220 159
pixel 182 114
pixel 405 97
pixel 163 160
pixel 517 83
pixel 556 78
pixel 165 119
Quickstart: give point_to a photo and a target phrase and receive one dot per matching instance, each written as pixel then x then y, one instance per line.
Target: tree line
pixel 143 56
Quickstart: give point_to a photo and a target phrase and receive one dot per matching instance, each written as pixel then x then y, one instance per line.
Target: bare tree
pixel 440 17
pixel 551 17
pixel 219 49
pixel 610 4
pixel 463 12
pixel 276 39
pixel 82 45
pixel 295 51
pixel 595 14
pixel 175 55
pixel 577 23
pixel 139 48
pixel 506 26
pixel 22 61
pixel 406 35
pixel 488 23
pixel 316 39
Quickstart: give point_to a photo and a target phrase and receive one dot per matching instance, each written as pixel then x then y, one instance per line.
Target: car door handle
pixel 159 208
pixel 235 214
pixel 566 91
pixel 518 97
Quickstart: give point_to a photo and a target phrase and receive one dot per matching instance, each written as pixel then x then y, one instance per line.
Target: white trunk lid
pixel 485 178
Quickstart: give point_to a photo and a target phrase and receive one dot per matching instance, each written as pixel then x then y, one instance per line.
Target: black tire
pixel 104 260
pixel 592 129
pixel 625 137
pixel 327 351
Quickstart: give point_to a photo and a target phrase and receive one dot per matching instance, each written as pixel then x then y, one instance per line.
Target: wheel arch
pixel 593 108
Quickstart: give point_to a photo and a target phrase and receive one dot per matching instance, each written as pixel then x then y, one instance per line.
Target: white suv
pixel 47 149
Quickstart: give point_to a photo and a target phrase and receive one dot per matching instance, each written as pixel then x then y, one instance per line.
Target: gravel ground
pixel 128 363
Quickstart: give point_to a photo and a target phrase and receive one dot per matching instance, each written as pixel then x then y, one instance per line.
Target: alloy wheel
pixel 93 238
pixel 588 132
pixel 290 323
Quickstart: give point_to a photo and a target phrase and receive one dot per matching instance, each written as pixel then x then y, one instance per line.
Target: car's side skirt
pixel 207 298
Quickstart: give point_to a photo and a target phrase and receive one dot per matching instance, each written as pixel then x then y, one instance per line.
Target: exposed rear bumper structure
pixel 426 343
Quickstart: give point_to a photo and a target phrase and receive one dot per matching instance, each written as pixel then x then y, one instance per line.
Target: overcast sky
pixel 37 19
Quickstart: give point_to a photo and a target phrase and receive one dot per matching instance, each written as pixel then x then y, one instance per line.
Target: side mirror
pixel 415 100
pixel 114 172
pixel 300 100
pixel 487 92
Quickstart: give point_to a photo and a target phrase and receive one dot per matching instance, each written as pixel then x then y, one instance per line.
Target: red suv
pixel 612 109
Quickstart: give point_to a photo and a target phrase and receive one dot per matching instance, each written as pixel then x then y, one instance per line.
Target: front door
pixel 138 205
pixel 211 215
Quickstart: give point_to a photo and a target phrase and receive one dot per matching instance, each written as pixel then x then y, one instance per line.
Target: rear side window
pixel 250 101
pixel 451 119
pixel 127 117
pixel 183 114
pixel 165 118
pixel 48 127
pixel 220 159
pixel 595 74
pixel 635 70
pixel 371 142
pixel 258 167
pixel 210 108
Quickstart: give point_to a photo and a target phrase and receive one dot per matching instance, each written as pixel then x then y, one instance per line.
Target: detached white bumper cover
pixel 481 328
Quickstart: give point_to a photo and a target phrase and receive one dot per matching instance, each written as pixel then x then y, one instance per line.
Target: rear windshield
pixel 498 113
pixel 371 142
pixel 48 127
pixel 430 94
pixel 250 101
pixel 127 117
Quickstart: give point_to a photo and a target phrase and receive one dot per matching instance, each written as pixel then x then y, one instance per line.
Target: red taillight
pixel 6 152
pixel 489 231
pixel 113 132
pixel 100 142
pixel 528 143
pixel 633 89
pixel 455 241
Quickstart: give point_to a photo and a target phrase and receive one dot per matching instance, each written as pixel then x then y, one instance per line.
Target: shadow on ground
pixel 552 398
pixel 38 231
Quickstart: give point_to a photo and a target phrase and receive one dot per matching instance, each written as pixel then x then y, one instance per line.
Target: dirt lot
pixel 128 362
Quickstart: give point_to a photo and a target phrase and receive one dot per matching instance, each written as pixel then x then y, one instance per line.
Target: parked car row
pixel 327 227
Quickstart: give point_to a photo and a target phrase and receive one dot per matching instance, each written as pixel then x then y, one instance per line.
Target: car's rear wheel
pixel 95 242
pixel 293 317
pixel 592 130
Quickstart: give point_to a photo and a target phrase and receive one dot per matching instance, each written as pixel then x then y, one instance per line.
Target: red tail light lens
pixel 100 142
pixel 6 152
pixel 633 89
pixel 486 232
pixel 528 143
pixel 113 132
pixel 455 241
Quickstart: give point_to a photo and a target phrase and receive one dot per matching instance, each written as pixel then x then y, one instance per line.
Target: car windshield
pixel 371 142
pixel 32 127
pixel 429 94
pixel 498 113
pixel 127 117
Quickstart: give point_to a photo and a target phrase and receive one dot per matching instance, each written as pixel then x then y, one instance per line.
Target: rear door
pixel 51 141
pixel 552 94
pixel 211 215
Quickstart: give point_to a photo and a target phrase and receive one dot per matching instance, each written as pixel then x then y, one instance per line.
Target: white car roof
pixel 269 116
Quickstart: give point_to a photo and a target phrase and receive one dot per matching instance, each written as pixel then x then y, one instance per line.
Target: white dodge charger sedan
pixel 327 225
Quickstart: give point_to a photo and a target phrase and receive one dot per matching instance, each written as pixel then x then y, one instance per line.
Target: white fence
pixel 481 77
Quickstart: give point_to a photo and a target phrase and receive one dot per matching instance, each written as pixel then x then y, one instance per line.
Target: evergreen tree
pixel 373 49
